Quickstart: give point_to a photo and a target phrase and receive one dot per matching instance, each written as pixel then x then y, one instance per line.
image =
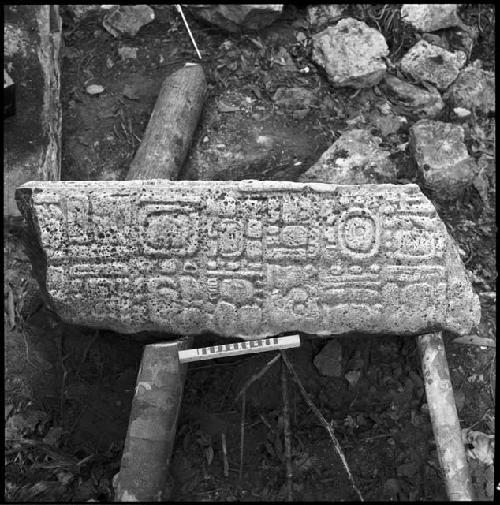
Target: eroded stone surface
pixel 442 157
pixel 427 62
pixel 454 40
pixel 247 259
pixel 351 53
pixel 473 89
pixel 81 11
pixel 235 18
pixel 319 16
pixel 355 158
pixel 127 19
pixel 430 17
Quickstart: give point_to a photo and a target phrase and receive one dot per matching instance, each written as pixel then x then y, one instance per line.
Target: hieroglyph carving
pixel 248 259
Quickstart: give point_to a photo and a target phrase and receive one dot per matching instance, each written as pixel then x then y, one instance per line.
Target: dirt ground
pixel 68 390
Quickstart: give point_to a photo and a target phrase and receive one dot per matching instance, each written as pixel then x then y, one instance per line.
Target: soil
pixel 68 390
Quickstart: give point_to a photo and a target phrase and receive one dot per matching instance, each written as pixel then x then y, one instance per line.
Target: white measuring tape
pixel 237 348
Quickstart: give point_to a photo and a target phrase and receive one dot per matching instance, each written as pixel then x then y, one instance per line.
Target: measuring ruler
pixel 238 348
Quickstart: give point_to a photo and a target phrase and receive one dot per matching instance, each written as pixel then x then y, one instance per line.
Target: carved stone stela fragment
pixel 247 259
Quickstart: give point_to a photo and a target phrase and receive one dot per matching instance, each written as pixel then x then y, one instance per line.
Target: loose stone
pixel 319 16
pixel 431 17
pixel 237 18
pixel 127 19
pixel 329 360
pixel 442 158
pixel 351 53
pixel 355 158
pixel 473 89
pixel 427 62
pixel 418 101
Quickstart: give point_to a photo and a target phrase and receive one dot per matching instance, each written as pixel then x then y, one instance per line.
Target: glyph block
pixel 246 259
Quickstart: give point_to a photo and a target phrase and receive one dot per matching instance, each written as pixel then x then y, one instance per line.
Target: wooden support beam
pixel 144 472
pixel 173 122
pixel 444 417
pixel 32 136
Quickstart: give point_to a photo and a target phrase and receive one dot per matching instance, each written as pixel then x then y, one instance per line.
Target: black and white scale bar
pixel 238 348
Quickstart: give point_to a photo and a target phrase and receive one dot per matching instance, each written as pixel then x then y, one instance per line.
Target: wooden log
pixel 32 137
pixel 144 472
pixel 170 130
pixel 48 54
pixel 444 418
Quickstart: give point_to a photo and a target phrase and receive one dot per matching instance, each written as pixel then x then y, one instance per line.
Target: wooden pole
pixel 50 24
pixel 287 434
pixel 171 127
pixel 32 137
pixel 444 418
pixel 144 472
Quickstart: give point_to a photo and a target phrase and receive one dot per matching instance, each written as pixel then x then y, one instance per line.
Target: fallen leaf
pixel 480 182
pixel 209 453
pixel 475 340
pixel 352 377
pixel 407 469
pixel 479 446
pixel 95 89
pixel 10 308
pixel 387 124
pixel 300 37
pixel 303 463
pixel 14 427
pixel 459 400
pixel 258 43
pixel 130 92
pixel 29 492
pixel 461 112
pixel 53 436
pixel 392 487
pixel 35 418
pixel 70 52
pixel 127 53
pixel 227 108
pixel 350 422
pixel 65 477
pixel 8 410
